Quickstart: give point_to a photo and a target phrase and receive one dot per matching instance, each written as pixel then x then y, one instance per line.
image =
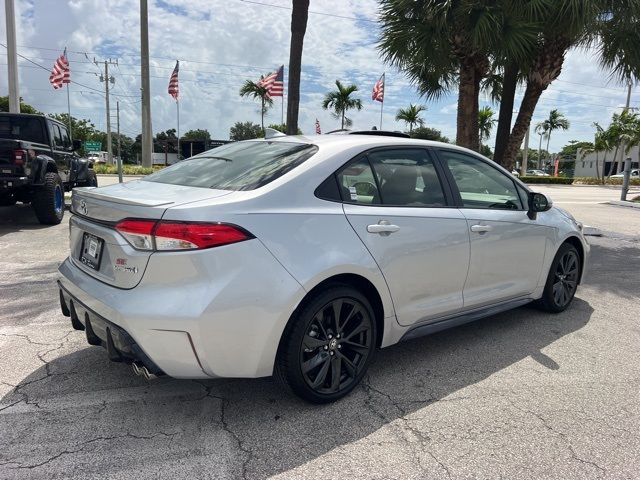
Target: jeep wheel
pixel 48 201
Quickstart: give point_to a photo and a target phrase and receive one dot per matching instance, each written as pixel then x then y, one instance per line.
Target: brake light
pixel 19 157
pixel 167 235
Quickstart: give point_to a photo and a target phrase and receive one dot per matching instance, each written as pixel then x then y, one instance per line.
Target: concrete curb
pixel 591 231
pixel 624 204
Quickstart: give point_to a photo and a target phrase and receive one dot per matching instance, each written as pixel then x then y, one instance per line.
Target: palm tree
pixel 299 16
pixel 443 45
pixel 411 115
pixel 612 26
pixel 555 121
pixel 624 132
pixel 254 90
pixel 340 101
pixel 541 129
pixel 485 123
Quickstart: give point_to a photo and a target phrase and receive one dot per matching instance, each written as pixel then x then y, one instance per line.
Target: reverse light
pixel 139 233
pixel 172 236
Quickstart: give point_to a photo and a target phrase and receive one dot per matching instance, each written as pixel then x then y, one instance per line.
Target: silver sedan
pixel 301 256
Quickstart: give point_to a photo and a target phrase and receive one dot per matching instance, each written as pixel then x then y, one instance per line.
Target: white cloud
pixel 221 43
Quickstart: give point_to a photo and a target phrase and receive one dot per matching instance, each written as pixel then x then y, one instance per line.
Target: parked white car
pixel 537 173
pixel 301 256
pixel 635 173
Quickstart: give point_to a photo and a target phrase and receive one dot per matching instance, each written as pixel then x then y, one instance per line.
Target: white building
pixel 591 163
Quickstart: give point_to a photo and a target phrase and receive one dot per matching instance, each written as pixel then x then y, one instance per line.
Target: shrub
pixel 596 181
pixel 548 180
pixel 103 169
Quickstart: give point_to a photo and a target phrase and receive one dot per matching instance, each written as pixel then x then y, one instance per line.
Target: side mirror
pixel 77 145
pixel 538 203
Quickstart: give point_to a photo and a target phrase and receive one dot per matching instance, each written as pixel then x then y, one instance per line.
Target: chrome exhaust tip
pixel 146 374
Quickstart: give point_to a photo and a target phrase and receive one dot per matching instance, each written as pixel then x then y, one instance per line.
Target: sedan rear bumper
pixel 202 314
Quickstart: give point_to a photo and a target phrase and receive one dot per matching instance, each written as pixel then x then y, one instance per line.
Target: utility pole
pixel 119 155
pixel 147 135
pixel 12 57
pixel 107 79
pixel 627 164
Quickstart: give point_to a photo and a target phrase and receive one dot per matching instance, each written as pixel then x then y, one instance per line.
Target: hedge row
pixel 554 180
pixel 576 180
pixel 596 181
pixel 126 169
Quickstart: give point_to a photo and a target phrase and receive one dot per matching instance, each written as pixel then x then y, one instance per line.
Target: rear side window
pixel 407 177
pixel 237 166
pixel 22 128
pixel 56 135
pixel 357 183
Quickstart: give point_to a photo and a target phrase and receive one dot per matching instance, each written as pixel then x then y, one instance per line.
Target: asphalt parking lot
pixel 523 394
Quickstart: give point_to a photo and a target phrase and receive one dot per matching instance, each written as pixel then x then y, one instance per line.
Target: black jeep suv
pixel 38 164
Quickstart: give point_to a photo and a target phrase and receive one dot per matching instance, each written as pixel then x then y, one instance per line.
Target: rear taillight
pixel 167 235
pixel 19 157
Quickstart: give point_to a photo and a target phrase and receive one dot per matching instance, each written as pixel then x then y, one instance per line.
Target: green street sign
pixel 93 146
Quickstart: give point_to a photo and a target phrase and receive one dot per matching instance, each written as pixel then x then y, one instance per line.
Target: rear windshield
pixel 236 166
pixel 22 128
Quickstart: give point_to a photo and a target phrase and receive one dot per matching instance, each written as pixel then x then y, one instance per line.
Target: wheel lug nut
pixel 326 347
pixel 331 353
pixel 339 346
pixel 330 337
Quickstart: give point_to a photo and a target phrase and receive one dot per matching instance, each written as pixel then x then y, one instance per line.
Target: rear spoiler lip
pixel 88 192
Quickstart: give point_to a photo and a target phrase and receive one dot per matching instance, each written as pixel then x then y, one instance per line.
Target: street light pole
pixel 12 57
pixel 119 155
pixel 147 139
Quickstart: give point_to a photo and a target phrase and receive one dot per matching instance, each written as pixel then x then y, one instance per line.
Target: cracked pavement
pixel 522 394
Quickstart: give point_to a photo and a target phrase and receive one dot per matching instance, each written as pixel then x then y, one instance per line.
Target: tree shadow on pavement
pixel 80 413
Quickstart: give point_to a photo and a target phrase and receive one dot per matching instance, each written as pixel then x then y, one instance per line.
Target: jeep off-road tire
pixel 48 201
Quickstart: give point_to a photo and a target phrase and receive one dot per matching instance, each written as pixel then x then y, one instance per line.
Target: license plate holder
pixel 91 252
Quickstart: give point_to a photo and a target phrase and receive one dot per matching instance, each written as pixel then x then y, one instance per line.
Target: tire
pixel 562 281
pixel 48 201
pixel 320 361
pixel 92 179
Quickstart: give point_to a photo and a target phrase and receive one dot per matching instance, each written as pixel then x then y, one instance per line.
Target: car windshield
pixel 26 128
pixel 237 166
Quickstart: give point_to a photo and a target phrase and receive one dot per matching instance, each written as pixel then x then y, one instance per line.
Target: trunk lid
pixel 98 249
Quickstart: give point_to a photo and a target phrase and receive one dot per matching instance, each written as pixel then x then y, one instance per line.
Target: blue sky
pixel 221 43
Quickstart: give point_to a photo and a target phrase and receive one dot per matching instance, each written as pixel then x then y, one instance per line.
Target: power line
pixel 325 14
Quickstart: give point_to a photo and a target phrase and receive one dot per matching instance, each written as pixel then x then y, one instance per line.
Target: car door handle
pixel 481 228
pixel 383 227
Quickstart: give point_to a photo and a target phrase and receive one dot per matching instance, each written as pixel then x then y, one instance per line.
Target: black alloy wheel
pixel 563 279
pixel 329 346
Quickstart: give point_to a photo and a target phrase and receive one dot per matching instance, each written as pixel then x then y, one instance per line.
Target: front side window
pixel 66 141
pixel 237 166
pixel 407 177
pixel 481 185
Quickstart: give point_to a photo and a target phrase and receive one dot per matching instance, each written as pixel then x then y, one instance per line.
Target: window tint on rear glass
pixel 22 128
pixel 237 166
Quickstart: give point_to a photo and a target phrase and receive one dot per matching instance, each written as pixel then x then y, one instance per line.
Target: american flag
pixel 173 82
pixel 378 90
pixel 274 83
pixel 60 73
pixel 318 131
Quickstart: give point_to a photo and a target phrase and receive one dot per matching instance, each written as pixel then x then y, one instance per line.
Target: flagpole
pixel 178 111
pixel 282 116
pixel 382 102
pixel 68 102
